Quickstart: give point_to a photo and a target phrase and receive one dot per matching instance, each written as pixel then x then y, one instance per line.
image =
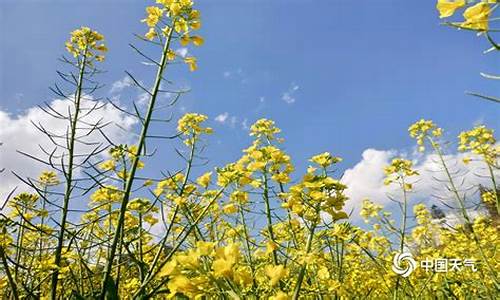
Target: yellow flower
pixel 48 178
pixel 151 34
pixel 204 180
pixel 422 130
pixel 190 126
pixel 280 296
pixel 243 276
pixel 230 208
pixel 107 165
pixel 398 170
pixel 488 197
pixel 154 15
pixel 325 159
pixel 205 248
pixel 191 62
pixel 239 197
pixel 84 41
pixel 275 273
pixel 175 8
pixel 476 17
pixel 181 25
pixel 480 140
pixel 270 246
pixel 447 8
pixel 197 40
pixel 195 25
pixel 323 273
pixel 171 55
pixel 222 268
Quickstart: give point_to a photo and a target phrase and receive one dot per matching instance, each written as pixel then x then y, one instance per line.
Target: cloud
pixel 366 179
pixel 289 96
pixel 142 98
pixel 121 84
pixel 18 133
pixel 182 52
pixel 222 118
pixel 244 124
pixel 237 74
pixel 226 119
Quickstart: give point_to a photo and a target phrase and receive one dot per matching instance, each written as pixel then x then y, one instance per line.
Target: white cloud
pixel 289 96
pixel 233 120
pixel 226 119
pixel 182 52
pixel 222 118
pixel 366 179
pixel 238 73
pixel 18 133
pixel 142 98
pixel 121 84
pixel 244 124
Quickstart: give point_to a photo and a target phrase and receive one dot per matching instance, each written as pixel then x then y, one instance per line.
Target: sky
pixel 342 76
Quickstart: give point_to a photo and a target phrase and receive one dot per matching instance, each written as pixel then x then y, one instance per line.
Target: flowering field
pixel 254 228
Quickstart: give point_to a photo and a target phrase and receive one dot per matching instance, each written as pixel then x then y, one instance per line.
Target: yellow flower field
pixel 254 228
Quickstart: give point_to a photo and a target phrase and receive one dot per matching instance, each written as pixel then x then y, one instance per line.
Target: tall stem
pixel 69 178
pixel 302 271
pixel 403 230
pixel 12 282
pixel 131 176
pixel 269 217
pixel 464 212
pixel 495 192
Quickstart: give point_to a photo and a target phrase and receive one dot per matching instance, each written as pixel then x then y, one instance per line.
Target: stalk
pixel 12 283
pixel 69 178
pixel 493 180
pixel 19 245
pixel 247 244
pixel 464 212
pixel 302 272
pixel 131 176
pixel 269 218
pixel 403 230
pixel 174 250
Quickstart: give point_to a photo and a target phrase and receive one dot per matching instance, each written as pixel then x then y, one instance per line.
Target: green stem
pixel 495 192
pixel 12 283
pixel 131 176
pixel 269 217
pixel 174 250
pixel 464 211
pixel 302 271
pixel 69 178
pixel 403 230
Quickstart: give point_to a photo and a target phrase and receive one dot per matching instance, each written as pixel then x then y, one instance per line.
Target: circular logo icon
pixel 403 264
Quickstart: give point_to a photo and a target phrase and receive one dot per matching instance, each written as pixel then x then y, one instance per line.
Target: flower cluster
pixel 190 126
pixel 174 16
pixel 476 16
pixel 264 129
pixel 87 42
pixel 480 140
pixel 398 171
pixel 317 193
pixel 422 130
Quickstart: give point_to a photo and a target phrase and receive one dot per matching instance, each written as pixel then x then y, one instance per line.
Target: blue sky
pixel 358 72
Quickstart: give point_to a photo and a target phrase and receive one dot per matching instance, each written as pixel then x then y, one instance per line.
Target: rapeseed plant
pixel 250 229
